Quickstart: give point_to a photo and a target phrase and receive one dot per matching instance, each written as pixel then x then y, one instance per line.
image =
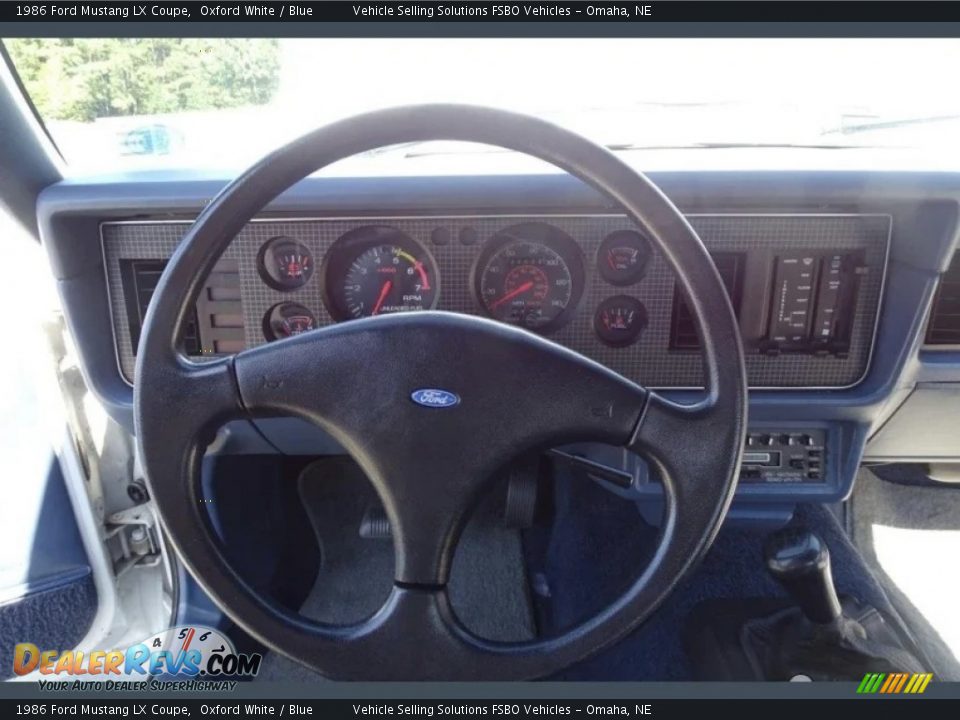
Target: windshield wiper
pixel 626 147
pixel 423 148
pixel 872 125
pixel 414 150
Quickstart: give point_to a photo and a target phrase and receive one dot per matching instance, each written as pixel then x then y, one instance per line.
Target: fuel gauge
pixel 620 320
pixel 622 257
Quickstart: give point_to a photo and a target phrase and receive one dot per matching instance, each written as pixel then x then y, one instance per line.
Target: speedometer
pixel 530 275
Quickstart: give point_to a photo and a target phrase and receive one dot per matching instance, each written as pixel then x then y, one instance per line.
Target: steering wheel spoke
pixel 511 392
pixel 673 437
pixel 197 399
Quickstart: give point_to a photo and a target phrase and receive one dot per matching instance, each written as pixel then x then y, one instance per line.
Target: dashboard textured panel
pixel 649 361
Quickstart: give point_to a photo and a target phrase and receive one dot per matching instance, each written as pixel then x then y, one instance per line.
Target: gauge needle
pixel 383 296
pixel 515 238
pixel 512 294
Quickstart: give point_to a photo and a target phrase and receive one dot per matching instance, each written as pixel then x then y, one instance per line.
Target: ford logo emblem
pixel 433 398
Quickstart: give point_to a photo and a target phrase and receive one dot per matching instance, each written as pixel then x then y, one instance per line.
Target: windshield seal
pixel 21 89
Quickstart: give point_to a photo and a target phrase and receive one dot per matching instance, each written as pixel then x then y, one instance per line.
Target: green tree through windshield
pixel 85 79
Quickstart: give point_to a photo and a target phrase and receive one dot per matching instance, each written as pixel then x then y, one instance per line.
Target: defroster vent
pixel 944 326
pixel 683 326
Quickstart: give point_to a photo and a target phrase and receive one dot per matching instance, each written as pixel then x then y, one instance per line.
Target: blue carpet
pixel 598 544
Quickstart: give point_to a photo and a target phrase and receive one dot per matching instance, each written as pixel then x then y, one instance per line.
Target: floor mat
pixel 488 587
pixel 910 535
pixel 733 568
pixel 591 536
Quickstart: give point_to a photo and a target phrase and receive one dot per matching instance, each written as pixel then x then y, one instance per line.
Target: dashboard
pixel 842 282
pixel 806 287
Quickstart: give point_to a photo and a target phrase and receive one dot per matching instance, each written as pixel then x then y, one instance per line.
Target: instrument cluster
pixel 806 288
pixel 531 274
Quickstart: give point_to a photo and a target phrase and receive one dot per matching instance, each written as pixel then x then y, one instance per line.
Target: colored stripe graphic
pixel 903 681
pixel 870 683
pixel 894 683
pixel 920 684
pixel 891 680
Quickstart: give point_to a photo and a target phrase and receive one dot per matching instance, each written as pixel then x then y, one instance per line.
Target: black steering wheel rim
pixel 179 403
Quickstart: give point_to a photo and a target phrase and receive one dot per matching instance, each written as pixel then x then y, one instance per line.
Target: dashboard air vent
pixel 944 326
pixel 683 327
pixel 140 278
pixel 220 312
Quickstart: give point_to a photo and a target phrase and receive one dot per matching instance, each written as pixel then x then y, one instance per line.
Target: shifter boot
pixel 819 638
pixel 786 645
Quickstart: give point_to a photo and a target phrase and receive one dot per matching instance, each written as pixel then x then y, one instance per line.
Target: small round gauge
pixel 377 270
pixel 620 320
pixel 285 264
pixel 622 257
pixel 530 275
pixel 287 319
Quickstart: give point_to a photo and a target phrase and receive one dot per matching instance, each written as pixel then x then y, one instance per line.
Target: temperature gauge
pixel 287 319
pixel 622 257
pixel 620 320
pixel 285 264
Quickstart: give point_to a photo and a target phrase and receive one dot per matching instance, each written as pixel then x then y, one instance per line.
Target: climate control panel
pixel 813 300
pixel 789 456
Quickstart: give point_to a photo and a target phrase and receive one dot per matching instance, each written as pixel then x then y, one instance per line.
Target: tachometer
pixel 531 275
pixel 377 270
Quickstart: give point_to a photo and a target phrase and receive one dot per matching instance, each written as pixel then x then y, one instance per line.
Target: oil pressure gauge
pixel 622 257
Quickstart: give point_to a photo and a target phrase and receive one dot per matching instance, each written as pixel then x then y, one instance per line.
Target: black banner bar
pixel 337 11
pixel 868 709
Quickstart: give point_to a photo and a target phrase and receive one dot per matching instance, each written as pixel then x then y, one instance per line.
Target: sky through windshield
pixel 202 103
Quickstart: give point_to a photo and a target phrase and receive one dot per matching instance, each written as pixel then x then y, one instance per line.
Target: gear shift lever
pixel 821 639
pixel 800 561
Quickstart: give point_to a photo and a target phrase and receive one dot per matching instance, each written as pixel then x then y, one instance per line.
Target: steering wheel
pixel 519 392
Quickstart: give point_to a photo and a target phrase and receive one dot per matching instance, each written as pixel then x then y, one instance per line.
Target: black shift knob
pixel 800 561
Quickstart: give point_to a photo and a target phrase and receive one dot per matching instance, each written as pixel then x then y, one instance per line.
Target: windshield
pixel 117 104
